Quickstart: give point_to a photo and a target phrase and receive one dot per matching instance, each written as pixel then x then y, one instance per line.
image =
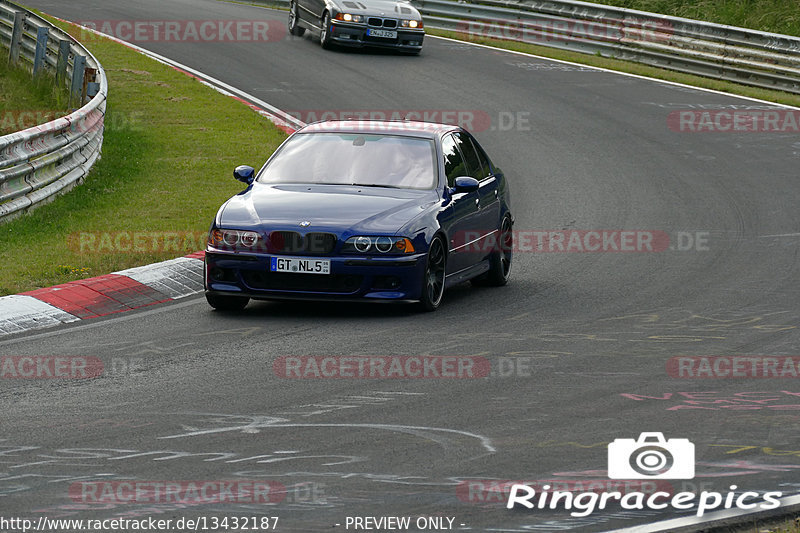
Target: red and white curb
pixel 137 287
pixel 100 296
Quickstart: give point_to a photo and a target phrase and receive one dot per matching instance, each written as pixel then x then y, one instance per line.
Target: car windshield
pixel 354 159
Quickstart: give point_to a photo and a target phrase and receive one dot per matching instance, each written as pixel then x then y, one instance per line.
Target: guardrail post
pixel 36 164
pixel 63 60
pixel 42 34
pixel 16 38
pixel 78 66
pixel 88 81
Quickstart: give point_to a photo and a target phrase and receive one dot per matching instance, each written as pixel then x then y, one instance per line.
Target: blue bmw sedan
pixel 383 211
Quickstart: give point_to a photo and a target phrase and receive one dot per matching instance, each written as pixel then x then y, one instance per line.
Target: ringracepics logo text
pixel 651 456
pixel 585 503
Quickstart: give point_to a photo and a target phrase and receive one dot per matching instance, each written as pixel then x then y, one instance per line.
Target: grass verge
pixel 24 100
pixel 776 16
pixel 170 146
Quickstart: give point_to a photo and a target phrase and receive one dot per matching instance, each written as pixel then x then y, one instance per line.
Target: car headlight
pixel 411 23
pixel 231 239
pixel 364 244
pixel 348 17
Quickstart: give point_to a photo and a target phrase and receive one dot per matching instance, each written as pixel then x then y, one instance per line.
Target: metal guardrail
pixel 749 57
pixel 48 159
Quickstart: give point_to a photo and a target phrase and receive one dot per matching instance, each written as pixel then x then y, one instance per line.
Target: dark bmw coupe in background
pixel 383 23
pixel 362 210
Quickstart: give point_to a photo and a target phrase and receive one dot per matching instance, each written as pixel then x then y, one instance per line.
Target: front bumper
pixel 349 34
pixel 395 278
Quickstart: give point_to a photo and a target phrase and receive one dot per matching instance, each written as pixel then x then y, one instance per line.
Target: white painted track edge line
pixel 573 63
pixel 612 71
pixel 221 84
pixel 653 528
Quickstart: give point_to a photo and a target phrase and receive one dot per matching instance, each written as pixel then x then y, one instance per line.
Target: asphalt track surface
pixel 203 401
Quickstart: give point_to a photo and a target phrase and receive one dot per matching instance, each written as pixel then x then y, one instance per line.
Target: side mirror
pixel 465 184
pixel 245 174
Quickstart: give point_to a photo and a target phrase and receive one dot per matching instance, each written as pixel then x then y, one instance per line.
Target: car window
pixel 454 165
pixel 474 165
pixel 483 158
pixel 367 159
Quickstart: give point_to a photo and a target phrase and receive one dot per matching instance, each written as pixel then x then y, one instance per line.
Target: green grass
pixel 777 16
pixel 170 147
pixel 786 525
pixel 24 99
pixel 171 143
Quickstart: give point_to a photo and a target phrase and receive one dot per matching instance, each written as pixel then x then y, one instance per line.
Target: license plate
pixel 300 265
pixel 386 34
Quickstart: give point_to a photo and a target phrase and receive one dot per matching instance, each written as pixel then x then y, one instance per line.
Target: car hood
pixel 336 208
pixel 389 8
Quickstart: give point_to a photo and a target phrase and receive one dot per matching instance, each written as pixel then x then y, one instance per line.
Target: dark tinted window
pixel 354 159
pixel 454 165
pixel 470 155
pixel 483 160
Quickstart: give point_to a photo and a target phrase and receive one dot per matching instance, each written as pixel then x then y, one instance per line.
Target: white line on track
pixel 211 81
pixel 667 525
pixel 573 63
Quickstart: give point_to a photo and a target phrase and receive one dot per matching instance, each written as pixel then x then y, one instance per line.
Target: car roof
pixel 384 127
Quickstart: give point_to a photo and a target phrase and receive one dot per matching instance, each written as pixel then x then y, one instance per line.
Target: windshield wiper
pixel 374 185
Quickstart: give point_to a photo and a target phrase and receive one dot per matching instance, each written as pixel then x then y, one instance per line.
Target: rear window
pixel 354 159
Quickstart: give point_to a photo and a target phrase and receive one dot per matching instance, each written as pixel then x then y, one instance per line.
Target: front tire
pixel 294 28
pixel 227 303
pixel 324 37
pixel 434 278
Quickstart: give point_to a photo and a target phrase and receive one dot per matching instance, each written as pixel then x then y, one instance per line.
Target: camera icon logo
pixel 651 457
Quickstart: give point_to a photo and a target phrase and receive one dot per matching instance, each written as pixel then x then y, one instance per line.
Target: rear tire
pixel 227 303
pixel 500 261
pixel 434 278
pixel 294 28
pixel 324 36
